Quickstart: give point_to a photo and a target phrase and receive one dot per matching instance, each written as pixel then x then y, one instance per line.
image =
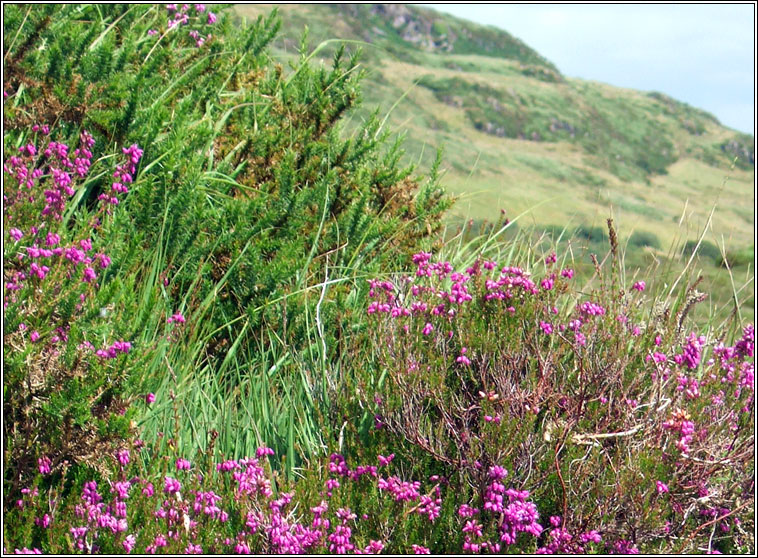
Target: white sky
pixel 702 54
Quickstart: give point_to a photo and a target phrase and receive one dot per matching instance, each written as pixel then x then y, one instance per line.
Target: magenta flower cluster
pixel 192 504
pixel 729 366
pixel 435 295
pixel 518 515
pixel 42 255
pixel 561 541
pixel 184 15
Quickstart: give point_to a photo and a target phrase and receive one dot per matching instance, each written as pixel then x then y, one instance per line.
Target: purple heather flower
pixel 178 318
pixel 123 457
pixel 467 511
pixel 129 543
pixel 263 451
pixel 89 275
pixel 403 491
pixel 591 308
pixel 660 487
pixel 171 485
pixel 373 547
pixel 622 546
pixel 463 359
pixel 429 507
pixel 105 261
pixel 122 491
pixel 90 494
pixel 44 464
pixel 591 536
pixel 691 351
pixel 746 345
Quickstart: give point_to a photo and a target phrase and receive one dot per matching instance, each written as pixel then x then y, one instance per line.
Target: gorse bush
pixel 248 172
pixel 641 239
pixel 245 196
pixel 245 160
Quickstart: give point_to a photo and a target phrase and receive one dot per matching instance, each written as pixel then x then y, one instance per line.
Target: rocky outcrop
pixel 743 152
pixel 557 125
pixel 413 28
pixel 490 128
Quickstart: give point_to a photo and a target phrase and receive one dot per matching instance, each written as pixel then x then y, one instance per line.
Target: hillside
pixel 519 136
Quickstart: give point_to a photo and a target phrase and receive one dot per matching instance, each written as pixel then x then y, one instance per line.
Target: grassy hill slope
pixel 520 137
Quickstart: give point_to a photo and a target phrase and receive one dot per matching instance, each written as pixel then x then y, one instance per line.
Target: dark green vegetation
pixel 234 209
pixel 249 203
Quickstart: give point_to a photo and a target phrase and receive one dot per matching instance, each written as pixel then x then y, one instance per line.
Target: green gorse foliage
pixel 247 194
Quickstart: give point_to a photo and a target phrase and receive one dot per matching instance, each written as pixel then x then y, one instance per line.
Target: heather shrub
pixel 608 409
pixel 154 500
pixel 492 456
pixel 65 365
